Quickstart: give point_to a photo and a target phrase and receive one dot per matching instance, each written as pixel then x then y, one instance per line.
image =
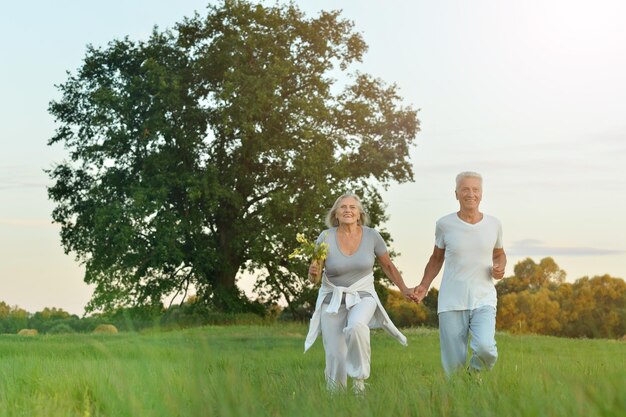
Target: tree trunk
pixel 226 296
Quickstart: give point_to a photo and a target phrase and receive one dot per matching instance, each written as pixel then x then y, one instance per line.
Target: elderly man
pixel 470 243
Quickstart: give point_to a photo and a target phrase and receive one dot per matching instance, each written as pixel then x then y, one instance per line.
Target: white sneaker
pixel 358 387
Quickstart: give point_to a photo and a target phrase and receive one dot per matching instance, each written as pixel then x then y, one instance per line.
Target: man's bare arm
pixel 430 272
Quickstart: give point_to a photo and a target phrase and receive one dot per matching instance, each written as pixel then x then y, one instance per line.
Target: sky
pixel 530 94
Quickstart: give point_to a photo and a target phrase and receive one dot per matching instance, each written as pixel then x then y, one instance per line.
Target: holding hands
pixel 409 294
pixel 415 294
pixel 419 293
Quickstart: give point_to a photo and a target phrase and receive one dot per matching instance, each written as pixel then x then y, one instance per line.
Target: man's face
pixel 469 193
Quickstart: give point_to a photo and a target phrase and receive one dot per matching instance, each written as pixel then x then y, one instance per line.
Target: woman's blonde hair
pixel 331 217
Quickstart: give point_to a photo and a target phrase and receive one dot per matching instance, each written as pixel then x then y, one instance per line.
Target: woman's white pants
pixel 346 336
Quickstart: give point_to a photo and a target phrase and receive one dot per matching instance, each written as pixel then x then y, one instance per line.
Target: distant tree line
pixel 189 314
pixel 537 300
pixel 49 320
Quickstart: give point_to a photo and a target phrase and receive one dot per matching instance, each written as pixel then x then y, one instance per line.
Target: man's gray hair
pixel 331 216
pixel 468 174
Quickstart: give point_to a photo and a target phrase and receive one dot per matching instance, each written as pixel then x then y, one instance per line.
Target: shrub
pixel 61 328
pixel 28 332
pixel 105 329
pixel 216 318
pixel 405 313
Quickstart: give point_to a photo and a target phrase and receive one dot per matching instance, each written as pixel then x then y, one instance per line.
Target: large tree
pixel 201 151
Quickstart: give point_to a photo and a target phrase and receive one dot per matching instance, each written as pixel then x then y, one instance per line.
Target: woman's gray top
pixel 343 270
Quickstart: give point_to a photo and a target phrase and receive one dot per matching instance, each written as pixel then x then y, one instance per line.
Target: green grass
pixel 262 371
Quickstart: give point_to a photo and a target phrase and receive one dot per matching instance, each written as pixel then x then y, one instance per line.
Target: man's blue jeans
pixel 455 327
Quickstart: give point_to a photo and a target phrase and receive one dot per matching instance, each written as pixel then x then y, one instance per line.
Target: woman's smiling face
pixel 348 211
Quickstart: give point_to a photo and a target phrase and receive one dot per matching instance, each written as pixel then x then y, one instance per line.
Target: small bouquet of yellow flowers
pixel 311 250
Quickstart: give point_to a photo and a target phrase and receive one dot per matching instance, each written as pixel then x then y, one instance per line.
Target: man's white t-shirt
pixel 467 282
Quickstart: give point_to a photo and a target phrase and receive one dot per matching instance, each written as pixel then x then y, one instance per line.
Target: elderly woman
pixel 347 304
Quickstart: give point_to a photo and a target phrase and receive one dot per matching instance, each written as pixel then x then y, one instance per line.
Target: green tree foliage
pixel 203 150
pixel 12 319
pixel 431 304
pixel 53 318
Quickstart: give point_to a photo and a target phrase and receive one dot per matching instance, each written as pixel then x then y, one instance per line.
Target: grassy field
pixel 262 371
